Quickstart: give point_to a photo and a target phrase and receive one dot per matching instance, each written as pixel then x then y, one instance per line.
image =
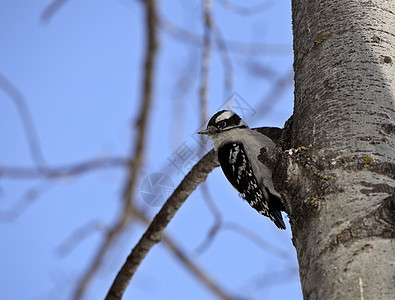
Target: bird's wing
pixel 238 170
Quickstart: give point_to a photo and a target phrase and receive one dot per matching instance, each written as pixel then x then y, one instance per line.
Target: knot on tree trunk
pixel 301 175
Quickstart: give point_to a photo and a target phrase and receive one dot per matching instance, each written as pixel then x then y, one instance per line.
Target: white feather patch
pixel 224 116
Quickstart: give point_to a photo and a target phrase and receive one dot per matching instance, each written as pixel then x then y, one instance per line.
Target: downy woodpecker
pixel 238 148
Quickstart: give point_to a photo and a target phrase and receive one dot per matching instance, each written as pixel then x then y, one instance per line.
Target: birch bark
pixel 340 184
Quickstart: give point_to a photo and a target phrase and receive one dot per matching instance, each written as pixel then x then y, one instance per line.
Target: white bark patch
pixel 361 288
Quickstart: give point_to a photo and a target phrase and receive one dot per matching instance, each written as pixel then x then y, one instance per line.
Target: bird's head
pixel 222 123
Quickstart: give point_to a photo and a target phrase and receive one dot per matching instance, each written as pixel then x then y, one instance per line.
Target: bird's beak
pixel 203 132
pixel 209 130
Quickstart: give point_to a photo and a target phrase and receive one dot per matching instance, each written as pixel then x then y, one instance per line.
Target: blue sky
pixel 80 75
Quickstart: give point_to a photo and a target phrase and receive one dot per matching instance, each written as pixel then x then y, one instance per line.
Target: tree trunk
pixel 341 182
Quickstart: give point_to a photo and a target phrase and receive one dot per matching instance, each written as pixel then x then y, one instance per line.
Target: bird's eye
pixel 222 124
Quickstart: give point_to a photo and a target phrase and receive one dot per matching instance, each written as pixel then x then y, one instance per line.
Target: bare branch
pixel 256 239
pixel 146 100
pixel 196 270
pixel 270 279
pixel 259 70
pixel 243 231
pixel 51 9
pixel 97 261
pixel 188 263
pixel 234 46
pixel 154 232
pixel 217 219
pixel 191 181
pixel 205 66
pixel 27 121
pixel 63 171
pixel 136 162
pixel 245 10
pixel 78 235
pixel 210 202
pixel 185 77
pixel 209 238
pixel 28 198
pixel 224 54
pixel 277 90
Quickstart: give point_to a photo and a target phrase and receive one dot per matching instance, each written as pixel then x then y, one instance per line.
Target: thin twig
pixel 256 239
pixel 205 66
pixel 208 199
pixel 113 233
pixel 277 90
pixel 188 263
pixel 245 10
pixel 210 202
pixel 78 235
pixel 243 48
pixel 209 282
pixel 28 198
pixel 243 231
pixel 207 242
pixel 259 70
pixel 185 77
pixel 138 151
pixel 27 121
pixel 154 232
pixel 270 279
pixel 142 122
pixel 204 78
pixel 225 57
pixel 51 9
pixel 63 171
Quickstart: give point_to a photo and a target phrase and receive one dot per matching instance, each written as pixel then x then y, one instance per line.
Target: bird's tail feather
pixel 278 219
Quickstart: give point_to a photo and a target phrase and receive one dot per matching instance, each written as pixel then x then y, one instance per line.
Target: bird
pixel 238 148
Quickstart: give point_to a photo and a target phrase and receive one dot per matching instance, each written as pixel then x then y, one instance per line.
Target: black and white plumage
pixel 238 148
